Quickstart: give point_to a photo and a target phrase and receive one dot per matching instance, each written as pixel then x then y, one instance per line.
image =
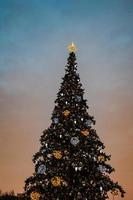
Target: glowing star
pixel 35 196
pixel 72 47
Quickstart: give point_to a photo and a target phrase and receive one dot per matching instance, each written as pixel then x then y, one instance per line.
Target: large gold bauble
pixel 56 181
pixel 66 113
pixel 85 132
pixel 57 154
pixel 35 195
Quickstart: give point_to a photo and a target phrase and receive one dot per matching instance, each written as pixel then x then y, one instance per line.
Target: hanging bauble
pixel 62 94
pixel 102 168
pixel 66 113
pixel 35 195
pixel 74 141
pixel 101 158
pixel 56 181
pixel 56 120
pixel 78 98
pixel 88 122
pixel 41 169
pixel 114 192
pixel 57 154
pixel 85 132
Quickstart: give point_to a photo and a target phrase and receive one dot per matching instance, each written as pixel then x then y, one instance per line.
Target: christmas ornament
pixel 88 122
pixel 102 168
pixel 74 141
pixel 101 158
pixel 41 169
pixel 114 192
pixel 56 181
pixel 77 98
pixel 85 132
pixel 66 113
pixel 72 48
pixel 35 195
pixel 56 120
pixel 57 154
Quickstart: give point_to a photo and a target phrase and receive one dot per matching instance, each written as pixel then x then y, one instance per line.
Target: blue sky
pixel 32 31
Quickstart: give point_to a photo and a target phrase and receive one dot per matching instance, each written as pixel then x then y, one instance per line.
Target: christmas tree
pixel 71 163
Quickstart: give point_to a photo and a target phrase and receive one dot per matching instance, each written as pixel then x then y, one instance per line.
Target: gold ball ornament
pixel 72 47
pixel 35 195
pixel 114 192
pixel 56 181
pixel 57 154
pixel 101 158
pixel 85 132
pixel 66 113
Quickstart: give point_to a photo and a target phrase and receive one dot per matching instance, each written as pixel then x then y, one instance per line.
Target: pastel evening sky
pixel 34 35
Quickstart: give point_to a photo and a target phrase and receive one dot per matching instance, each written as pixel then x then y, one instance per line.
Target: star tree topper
pixel 72 47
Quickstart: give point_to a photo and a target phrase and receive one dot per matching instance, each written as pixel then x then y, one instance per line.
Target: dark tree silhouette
pixel 71 163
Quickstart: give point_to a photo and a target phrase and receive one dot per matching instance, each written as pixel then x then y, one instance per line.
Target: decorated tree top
pixel 71 162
